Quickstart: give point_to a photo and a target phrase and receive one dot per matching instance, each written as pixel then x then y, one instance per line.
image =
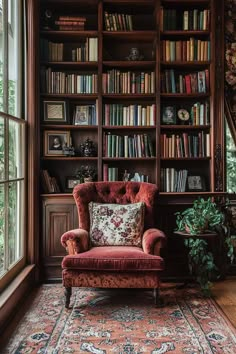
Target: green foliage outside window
pixel 12 156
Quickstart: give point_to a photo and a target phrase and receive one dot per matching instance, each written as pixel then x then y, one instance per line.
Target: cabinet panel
pixel 59 216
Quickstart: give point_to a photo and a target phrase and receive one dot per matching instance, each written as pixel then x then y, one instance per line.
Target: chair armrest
pixel 153 240
pixel 75 241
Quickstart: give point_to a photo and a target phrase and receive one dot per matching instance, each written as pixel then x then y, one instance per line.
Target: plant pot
pixel 88 179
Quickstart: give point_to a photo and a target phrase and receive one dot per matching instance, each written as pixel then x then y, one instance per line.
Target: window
pixel 12 142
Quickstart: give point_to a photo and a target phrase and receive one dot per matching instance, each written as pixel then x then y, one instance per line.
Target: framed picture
pixel 54 111
pixel 196 184
pixel 54 141
pixel 81 115
pixel 169 115
pixel 71 182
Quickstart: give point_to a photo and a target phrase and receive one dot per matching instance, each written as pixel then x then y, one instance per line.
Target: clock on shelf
pixel 183 116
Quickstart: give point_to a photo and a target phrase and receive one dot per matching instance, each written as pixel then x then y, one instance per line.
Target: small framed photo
pixel 168 115
pixel 54 141
pixel 54 112
pixel 196 184
pixel 71 182
pixel 81 115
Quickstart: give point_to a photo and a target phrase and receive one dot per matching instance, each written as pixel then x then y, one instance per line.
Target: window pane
pixel 14 35
pixel 2 148
pixel 16 139
pixel 2 229
pixel 230 162
pixel 15 247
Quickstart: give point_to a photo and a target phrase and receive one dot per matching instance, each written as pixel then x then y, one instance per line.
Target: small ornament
pixel 125 177
pixel 88 148
pixel 68 150
pixel 134 55
pixel 136 177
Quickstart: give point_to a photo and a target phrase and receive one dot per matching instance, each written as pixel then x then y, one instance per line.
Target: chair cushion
pixel 114 258
pixel 115 224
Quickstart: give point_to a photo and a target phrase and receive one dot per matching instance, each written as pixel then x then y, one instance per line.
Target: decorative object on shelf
pixel 136 177
pixel 86 173
pixel 169 115
pixel 71 182
pixel 196 184
pixel 68 150
pixel 183 116
pixel 125 176
pixel 47 20
pixel 88 148
pixel 134 55
pixel 54 112
pixel 55 141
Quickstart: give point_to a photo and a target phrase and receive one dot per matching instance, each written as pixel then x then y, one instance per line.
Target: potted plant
pixel 204 216
pixel 86 173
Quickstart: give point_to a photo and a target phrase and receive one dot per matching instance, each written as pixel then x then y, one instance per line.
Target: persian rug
pixel 122 321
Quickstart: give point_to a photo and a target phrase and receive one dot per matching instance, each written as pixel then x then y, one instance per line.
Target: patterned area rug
pixel 122 321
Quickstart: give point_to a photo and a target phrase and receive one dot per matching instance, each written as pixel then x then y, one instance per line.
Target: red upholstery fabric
pixel 80 238
pixel 109 279
pixel 153 240
pixel 115 258
pixel 118 193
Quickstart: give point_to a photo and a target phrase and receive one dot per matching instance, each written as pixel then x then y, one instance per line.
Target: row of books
pixel 137 145
pixel 49 184
pixel 86 51
pixel 118 22
pixel 71 23
pixel 173 180
pixel 115 81
pixel 132 115
pixel 112 174
pixel 62 82
pixel 174 82
pixel 189 50
pixel 187 20
pixel 185 145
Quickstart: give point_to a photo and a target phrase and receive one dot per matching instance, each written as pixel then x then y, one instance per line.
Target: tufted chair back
pixel 115 193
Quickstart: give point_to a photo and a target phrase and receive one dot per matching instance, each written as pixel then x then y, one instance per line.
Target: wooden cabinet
pixel 136 77
pixel 59 215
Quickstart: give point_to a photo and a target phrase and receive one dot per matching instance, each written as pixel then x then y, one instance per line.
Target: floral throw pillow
pixel 115 224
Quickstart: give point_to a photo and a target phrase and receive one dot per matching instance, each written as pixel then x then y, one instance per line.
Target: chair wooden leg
pixel 158 300
pixel 67 294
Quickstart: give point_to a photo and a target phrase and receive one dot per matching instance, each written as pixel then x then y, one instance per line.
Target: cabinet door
pixel 59 216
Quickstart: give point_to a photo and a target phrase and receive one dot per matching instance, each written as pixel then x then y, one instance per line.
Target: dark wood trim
pixel 14 294
pixel 33 132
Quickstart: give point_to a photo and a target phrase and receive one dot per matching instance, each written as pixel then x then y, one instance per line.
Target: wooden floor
pixel 224 293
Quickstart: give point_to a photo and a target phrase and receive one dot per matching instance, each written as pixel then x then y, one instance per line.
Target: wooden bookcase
pixel 131 100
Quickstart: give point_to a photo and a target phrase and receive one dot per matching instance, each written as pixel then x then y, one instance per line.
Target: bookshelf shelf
pixel 185 158
pixel 64 158
pixel 185 64
pixel 130 35
pixel 185 127
pixel 129 159
pixel 65 35
pixel 69 126
pixel 184 33
pixel 72 65
pixel 74 96
pixel 127 127
pixel 130 64
pixel 128 96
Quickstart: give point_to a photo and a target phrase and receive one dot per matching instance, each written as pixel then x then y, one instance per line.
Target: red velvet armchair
pixel 113 266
